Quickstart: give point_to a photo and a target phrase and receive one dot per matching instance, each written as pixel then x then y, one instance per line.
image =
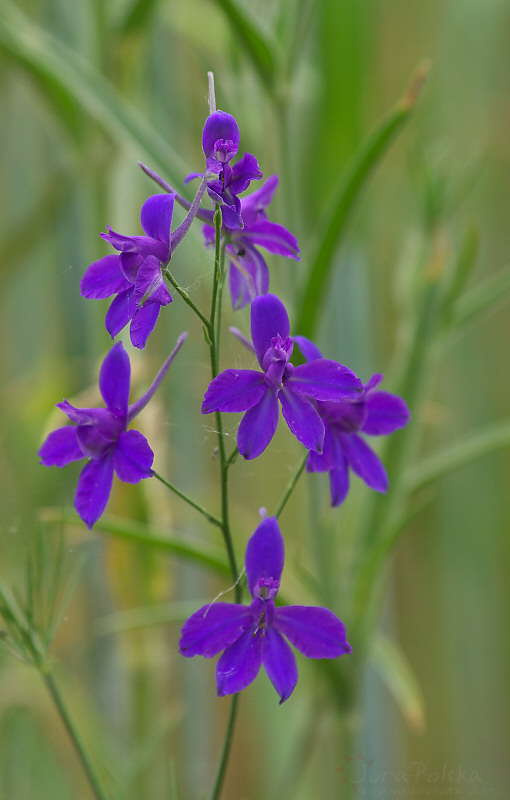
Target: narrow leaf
pixel 345 194
pixel 399 677
pixel 196 551
pixel 253 39
pixel 490 439
pixel 481 298
pixel 79 81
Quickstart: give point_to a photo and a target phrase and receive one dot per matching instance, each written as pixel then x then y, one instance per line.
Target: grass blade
pixel 77 81
pixel 344 196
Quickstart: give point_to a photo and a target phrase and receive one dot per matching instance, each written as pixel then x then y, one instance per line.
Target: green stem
pixel 226 750
pixel 290 487
pixel 54 691
pixel 210 517
pixel 187 299
pixel 214 335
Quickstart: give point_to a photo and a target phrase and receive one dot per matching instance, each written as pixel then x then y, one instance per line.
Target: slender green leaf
pixel 398 675
pixel 79 82
pixel 254 40
pixel 195 551
pixel 345 194
pixel 460 269
pixel 481 298
pixel 147 616
pixel 136 16
pixel 490 439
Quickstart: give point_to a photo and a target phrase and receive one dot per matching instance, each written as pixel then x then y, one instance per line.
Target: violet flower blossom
pixel 249 273
pixel 100 435
pixel 136 275
pixel 220 143
pixel 255 635
pixel 375 413
pixel 257 393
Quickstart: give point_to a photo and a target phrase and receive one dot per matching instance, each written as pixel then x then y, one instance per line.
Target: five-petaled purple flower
pixel 373 412
pixel 136 275
pixel 249 273
pixel 100 435
pixel 258 393
pixel 254 635
pixel 220 142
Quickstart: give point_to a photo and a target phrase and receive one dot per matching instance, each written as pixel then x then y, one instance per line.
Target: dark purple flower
pixel 136 275
pixel 253 635
pixel 374 413
pixel 249 273
pixel 258 393
pixel 100 435
pixel 220 142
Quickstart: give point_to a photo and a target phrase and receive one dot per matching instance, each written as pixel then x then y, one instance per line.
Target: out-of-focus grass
pixel 65 177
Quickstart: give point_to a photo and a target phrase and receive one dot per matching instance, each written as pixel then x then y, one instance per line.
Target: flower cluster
pixel 324 403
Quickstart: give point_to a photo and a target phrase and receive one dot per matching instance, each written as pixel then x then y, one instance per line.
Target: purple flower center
pixel 262 607
pixel 224 150
pixel 276 362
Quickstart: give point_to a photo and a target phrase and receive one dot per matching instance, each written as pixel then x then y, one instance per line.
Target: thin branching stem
pixel 226 750
pixel 290 486
pixel 210 517
pixel 57 698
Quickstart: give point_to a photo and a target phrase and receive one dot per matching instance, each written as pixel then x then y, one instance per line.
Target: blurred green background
pixel 86 90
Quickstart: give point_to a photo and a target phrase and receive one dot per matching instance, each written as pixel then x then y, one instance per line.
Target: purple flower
pixel 374 413
pixel 100 435
pixel 258 393
pixel 220 142
pixel 136 275
pixel 254 635
pixel 249 273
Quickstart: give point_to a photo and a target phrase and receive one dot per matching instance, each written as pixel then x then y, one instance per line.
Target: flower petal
pixel 258 426
pixel 314 631
pixel 308 348
pixel 234 390
pixel 243 172
pixel 115 378
pixel 248 277
pixel 268 319
pixel 231 214
pixel 265 553
pixel 240 663
pixel 103 278
pixel 93 490
pixel 220 126
pixel 273 237
pixel 364 462
pixel 156 216
pixel 280 663
pixel 385 413
pixel 253 205
pixel 324 379
pixel 303 420
pixel 150 285
pixel 143 323
pixel 143 245
pixel 93 442
pixel 99 417
pixel 213 628
pixel 323 462
pixel 339 483
pixel 120 312
pixel 60 448
pixel 132 457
